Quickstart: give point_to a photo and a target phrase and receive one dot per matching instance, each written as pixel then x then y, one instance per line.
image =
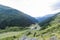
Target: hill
pixel 51 20
pixel 12 17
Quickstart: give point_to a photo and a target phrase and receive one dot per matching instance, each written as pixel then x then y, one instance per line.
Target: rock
pixel 27 38
pixel 53 38
pixel 33 39
pixel 23 38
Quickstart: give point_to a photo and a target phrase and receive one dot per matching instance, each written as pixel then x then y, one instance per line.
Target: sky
pixel 35 8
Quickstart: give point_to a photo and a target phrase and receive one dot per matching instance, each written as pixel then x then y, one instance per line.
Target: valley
pixel 16 25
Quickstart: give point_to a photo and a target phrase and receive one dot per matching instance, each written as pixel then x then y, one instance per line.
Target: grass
pixel 11 35
pixel 45 34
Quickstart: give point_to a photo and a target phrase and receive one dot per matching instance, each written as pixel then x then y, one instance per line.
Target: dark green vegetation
pixel 10 17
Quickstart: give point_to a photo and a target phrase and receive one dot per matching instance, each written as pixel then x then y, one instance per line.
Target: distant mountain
pixel 13 17
pixel 40 19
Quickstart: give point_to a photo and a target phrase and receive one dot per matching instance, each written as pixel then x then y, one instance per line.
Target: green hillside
pixel 12 17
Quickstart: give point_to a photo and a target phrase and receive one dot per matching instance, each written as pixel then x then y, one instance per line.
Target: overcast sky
pixel 34 8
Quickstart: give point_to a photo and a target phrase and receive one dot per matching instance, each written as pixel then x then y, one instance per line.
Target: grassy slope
pixel 10 35
pixel 40 35
pixel 46 34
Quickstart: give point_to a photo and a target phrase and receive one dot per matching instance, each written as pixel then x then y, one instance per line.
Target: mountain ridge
pixel 13 17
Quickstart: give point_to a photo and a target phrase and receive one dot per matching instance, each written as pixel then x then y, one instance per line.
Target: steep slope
pixel 50 21
pixel 55 19
pixel 13 17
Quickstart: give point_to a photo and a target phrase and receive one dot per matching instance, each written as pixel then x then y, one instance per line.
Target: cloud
pixel 56 6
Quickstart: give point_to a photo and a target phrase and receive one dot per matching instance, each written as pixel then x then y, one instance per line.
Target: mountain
pixel 12 17
pixel 55 19
pixel 40 19
pixel 51 21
